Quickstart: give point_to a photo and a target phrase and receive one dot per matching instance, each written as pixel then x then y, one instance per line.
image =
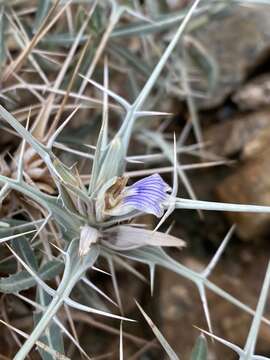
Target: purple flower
pixel 146 195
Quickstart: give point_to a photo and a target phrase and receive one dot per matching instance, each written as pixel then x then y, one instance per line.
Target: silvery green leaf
pixel 167 21
pixel 101 144
pixel 74 269
pixel 76 266
pixel 126 237
pixel 65 173
pixel 67 199
pixel 57 322
pixel 23 280
pixel 70 223
pixel 111 164
pixel 24 250
pixel 69 185
pixel 100 199
pixel 56 168
pixel 11 237
pixel 26 135
pixel 12 225
pixel 156 256
pixel 90 297
pixel 199 351
pixel 64 39
pixel 42 10
pixel 142 28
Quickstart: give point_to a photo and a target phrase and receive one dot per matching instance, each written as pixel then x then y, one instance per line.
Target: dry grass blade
pixel 15 66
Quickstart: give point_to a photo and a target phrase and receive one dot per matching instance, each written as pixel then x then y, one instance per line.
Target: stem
pixel 56 303
pixel 27 190
pixel 219 206
pixel 75 267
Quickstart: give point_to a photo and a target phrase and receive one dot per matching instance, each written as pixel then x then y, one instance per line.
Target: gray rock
pixel 238 40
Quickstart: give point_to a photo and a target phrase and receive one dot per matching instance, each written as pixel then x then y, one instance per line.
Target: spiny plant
pixel 76 220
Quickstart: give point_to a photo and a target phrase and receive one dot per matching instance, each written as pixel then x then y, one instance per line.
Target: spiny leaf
pixel 42 10
pixel 156 256
pixel 23 249
pixel 172 355
pixel 23 280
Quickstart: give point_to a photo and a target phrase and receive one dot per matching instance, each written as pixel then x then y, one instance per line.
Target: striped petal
pixel 146 195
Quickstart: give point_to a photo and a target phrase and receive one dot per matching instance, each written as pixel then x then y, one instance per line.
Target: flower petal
pixel 146 195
